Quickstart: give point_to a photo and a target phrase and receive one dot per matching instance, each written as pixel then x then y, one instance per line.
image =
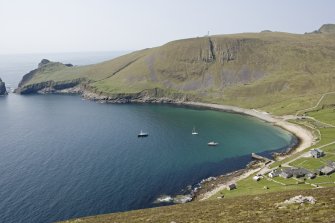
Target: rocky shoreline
pixel 206 187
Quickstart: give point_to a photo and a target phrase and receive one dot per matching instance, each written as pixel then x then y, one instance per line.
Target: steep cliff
pixel 268 70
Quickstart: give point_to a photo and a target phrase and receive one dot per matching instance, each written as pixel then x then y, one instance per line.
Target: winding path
pixel 326 124
pixel 317 104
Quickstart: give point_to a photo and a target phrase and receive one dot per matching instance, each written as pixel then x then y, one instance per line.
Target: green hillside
pixel 276 72
pixel 261 208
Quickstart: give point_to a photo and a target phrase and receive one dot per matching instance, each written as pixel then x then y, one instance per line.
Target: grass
pixel 250 187
pixel 289 181
pixel 310 164
pixel 324 115
pixel 277 72
pixel 249 208
pixel 328 136
pixel 322 180
pixel 313 164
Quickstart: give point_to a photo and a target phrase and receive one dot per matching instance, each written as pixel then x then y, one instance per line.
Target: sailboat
pixel 212 143
pixel 142 134
pixel 194 132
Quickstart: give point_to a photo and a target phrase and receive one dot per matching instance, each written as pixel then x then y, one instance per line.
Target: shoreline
pixel 305 140
pixel 305 137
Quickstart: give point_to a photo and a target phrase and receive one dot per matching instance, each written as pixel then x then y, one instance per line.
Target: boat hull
pixel 144 135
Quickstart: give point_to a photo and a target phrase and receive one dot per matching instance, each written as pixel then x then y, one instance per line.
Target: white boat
pixel 142 134
pixel 212 143
pixel 194 132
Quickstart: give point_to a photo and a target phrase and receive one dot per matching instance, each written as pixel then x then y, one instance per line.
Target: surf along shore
pixel 215 184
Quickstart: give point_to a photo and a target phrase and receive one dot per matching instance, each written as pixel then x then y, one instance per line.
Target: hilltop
pixel 272 71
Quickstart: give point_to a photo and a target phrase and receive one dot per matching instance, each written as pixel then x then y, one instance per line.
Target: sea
pixel 62 157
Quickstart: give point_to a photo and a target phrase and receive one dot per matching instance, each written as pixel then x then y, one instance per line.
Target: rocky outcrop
pixel 325 29
pixel 42 66
pixel 51 87
pixel 3 90
pixel 155 95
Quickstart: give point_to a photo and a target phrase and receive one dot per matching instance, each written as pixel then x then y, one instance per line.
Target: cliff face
pixel 3 90
pixel 251 70
pixel 50 87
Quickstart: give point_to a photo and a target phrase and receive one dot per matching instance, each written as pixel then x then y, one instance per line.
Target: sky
pixel 47 26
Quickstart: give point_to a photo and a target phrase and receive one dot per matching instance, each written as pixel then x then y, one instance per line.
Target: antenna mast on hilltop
pixel 208 33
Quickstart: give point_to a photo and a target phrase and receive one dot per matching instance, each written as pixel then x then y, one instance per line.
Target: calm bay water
pixel 62 157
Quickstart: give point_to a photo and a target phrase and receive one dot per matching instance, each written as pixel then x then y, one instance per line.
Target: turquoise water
pixel 63 157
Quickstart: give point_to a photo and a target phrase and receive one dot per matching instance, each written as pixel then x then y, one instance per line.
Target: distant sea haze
pixel 63 157
pixel 14 66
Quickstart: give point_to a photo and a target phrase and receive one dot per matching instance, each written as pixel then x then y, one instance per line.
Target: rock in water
pixel 3 90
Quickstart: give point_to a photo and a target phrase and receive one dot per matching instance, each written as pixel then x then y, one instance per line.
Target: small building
pixel 311 175
pixel 286 173
pixel 274 173
pixel 300 172
pixel 326 170
pixel 231 186
pixel 331 164
pixel 256 178
pixel 316 153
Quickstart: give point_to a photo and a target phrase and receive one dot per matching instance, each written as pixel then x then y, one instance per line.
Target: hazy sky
pixel 33 26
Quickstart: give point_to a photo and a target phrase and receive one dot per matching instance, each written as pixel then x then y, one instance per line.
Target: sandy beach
pixel 306 138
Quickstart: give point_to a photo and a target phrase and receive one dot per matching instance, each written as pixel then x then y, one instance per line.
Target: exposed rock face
pixel 155 95
pixel 46 62
pixel 326 29
pixel 3 90
pixel 50 87
pixel 43 63
pixel 297 200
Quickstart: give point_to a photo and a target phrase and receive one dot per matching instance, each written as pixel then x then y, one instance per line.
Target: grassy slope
pixel 259 208
pixel 277 72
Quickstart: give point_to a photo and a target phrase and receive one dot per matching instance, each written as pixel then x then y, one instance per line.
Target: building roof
pixel 298 172
pixel 327 169
pixel 318 150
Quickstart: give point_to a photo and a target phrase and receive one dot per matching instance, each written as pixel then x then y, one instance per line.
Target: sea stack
pixel 3 90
